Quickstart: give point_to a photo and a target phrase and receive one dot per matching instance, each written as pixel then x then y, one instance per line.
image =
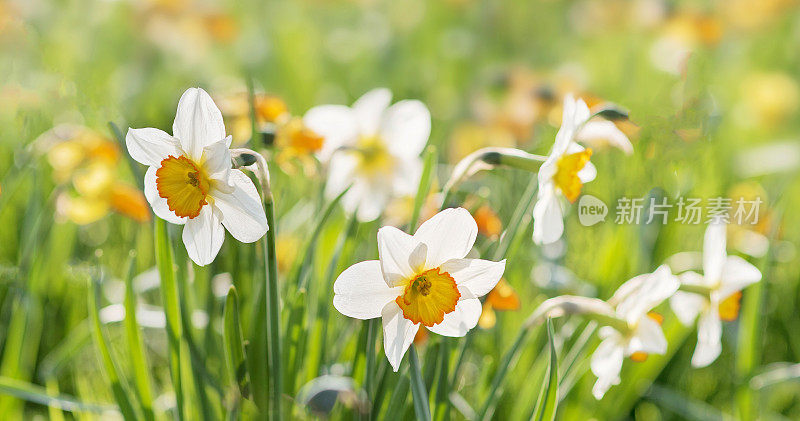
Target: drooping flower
pixel 190 179
pixel 640 333
pixel 563 174
pixel 420 280
pixel 719 292
pixel 373 147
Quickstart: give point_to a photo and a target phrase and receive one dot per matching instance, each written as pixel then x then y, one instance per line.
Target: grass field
pixel 108 311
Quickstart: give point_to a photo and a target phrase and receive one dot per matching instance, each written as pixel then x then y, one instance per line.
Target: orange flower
pixel 488 223
pixel 502 298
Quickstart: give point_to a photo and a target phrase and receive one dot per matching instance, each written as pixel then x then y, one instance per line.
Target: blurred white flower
pixel 372 146
pixel 190 179
pixel 723 277
pixel 424 279
pixel 563 174
pixel 643 334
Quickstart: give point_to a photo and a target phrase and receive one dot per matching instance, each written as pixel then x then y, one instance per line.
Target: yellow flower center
pixel 567 169
pixel 729 307
pixel 184 185
pixel 374 157
pixel 428 297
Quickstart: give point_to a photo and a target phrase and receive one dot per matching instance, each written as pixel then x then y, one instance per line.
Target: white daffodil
pixel 190 180
pixel 372 147
pixel 563 174
pixel 640 333
pixel 423 279
pixel 718 294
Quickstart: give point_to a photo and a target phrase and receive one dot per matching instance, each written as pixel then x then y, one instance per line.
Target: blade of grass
pixel 136 345
pixel 169 296
pixel 418 392
pixel 53 411
pixel 234 352
pixel 121 395
pixel 37 394
pixel 548 398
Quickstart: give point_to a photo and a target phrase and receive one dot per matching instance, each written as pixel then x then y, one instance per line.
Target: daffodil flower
pixel 597 133
pixel 639 333
pixel 373 147
pixel 713 296
pixel 190 179
pixel 563 174
pixel 420 280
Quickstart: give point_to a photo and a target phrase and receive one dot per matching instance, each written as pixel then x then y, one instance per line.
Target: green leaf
pixel 429 165
pixel 37 394
pixel 169 296
pixel 136 346
pixel 234 345
pixel 117 387
pixel 418 391
pixel 548 398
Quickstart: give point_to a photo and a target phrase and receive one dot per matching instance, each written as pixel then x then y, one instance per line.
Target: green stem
pixel 418 391
pixel 369 372
pixel 273 310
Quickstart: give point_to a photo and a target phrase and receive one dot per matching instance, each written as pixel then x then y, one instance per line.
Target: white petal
pixel 459 321
pixel 370 204
pixel 657 287
pixel 450 234
pixel 406 127
pixel 203 236
pixel 709 338
pixel 602 385
pixel 369 110
pixel 399 255
pixel 687 306
pixel 407 175
pixel 150 146
pixel 198 122
pixel 589 171
pixel 595 133
pixel 606 364
pixel 241 210
pixel 158 203
pixel 336 123
pixel 693 278
pixel 398 333
pixel 479 276
pixel 216 159
pixel 361 292
pixel 737 274
pixel 548 222
pixel 714 253
pixel 649 338
pixel 340 173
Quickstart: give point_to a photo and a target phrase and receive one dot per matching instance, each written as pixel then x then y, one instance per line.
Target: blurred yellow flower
pixel 270 110
pixel 747 14
pixel 680 36
pixel 89 161
pixel 768 99
pixel 748 233
pixel 469 137
pixel 502 298
pixel 287 246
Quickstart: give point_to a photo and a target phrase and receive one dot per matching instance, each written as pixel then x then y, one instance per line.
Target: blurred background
pixel 713 95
